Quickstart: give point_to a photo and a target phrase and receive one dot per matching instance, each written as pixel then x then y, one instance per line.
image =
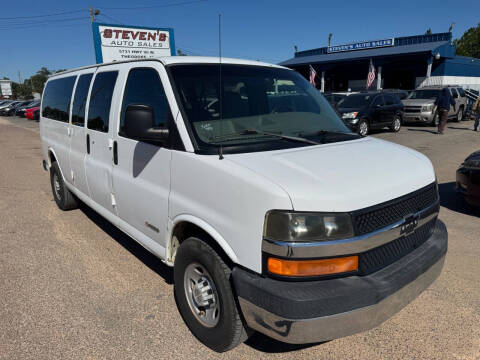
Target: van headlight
pixel 292 226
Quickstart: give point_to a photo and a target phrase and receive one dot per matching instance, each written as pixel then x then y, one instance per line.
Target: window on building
pixel 145 87
pixel 80 99
pixel 56 98
pixel 100 100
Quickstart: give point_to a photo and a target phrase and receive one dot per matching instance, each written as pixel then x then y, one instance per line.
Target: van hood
pixel 343 176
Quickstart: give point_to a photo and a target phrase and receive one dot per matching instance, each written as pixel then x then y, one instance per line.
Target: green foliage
pixel 469 43
pixel 34 84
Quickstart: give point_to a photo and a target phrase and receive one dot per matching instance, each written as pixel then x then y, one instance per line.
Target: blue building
pixel 403 63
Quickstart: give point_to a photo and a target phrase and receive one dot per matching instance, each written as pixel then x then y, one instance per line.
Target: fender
pixel 50 150
pixel 207 228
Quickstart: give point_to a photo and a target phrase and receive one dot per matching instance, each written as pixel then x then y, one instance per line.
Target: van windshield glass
pixel 424 94
pixel 265 99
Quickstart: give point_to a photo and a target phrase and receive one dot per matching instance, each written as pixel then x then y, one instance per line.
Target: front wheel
pixel 205 297
pixel 460 115
pixel 396 124
pixel 363 127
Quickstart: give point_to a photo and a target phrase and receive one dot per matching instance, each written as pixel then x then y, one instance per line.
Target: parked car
pixel 253 202
pixel 371 110
pixel 333 98
pixel 6 104
pixel 468 179
pixel 30 113
pixel 21 111
pixel 4 110
pixel 420 107
pixel 10 109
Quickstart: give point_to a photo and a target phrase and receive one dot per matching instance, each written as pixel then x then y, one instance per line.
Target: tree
pixel 469 43
pixel 429 31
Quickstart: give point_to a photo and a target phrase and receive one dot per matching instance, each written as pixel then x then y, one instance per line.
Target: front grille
pixel 385 214
pixel 412 109
pixel 376 259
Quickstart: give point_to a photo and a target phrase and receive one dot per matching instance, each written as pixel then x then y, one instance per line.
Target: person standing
pixel 443 102
pixel 476 113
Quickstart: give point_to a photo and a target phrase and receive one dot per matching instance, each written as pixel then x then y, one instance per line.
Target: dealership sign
pixel 124 42
pixel 6 87
pixel 361 45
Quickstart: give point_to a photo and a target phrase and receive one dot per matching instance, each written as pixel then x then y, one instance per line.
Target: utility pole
pixel 93 13
pixel 329 39
pixel 19 77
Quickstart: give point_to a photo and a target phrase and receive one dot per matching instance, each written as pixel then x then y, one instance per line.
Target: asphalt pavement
pixel 74 286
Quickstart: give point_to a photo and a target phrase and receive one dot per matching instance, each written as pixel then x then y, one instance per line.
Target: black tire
pixel 396 124
pixel 363 124
pixel 63 197
pixel 229 330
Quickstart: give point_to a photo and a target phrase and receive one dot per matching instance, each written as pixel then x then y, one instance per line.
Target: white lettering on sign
pixel 123 43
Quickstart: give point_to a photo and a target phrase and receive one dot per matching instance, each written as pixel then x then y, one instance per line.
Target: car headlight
pixel 292 226
pixel 472 164
pixel 428 108
pixel 350 115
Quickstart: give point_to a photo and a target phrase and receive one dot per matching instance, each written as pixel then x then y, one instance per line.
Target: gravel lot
pixel 73 286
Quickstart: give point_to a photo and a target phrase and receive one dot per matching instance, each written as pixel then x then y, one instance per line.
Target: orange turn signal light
pixel 312 267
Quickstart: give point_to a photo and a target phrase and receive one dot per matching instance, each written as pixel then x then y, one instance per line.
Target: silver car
pixel 420 105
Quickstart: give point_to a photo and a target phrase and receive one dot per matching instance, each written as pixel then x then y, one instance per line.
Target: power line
pixel 153 6
pixel 39 23
pixel 112 18
pixel 46 15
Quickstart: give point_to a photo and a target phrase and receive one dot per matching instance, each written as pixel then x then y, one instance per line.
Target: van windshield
pixel 424 94
pixel 256 101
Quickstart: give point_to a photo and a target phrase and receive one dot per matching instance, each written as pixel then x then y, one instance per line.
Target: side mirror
pixel 139 120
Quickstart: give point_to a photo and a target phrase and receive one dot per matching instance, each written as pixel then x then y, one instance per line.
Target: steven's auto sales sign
pixel 118 42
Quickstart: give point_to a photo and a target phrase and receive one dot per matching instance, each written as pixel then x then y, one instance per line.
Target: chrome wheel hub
pixel 397 124
pixel 56 186
pixel 201 295
pixel 363 129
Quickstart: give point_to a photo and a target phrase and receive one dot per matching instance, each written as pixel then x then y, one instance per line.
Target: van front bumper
pixel 315 311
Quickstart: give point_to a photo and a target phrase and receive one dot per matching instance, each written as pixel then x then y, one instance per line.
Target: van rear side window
pixel 56 98
pixel 80 99
pixel 100 100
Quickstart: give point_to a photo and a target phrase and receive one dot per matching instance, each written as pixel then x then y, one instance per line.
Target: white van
pixel 275 217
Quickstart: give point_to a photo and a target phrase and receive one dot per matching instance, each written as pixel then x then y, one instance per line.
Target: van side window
pixel 80 99
pixel 56 98
pixel 100 100
pixel 145 87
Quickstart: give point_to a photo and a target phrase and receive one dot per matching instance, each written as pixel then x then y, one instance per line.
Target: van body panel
pixel 227 197
pixel 342 176
pixel 78 146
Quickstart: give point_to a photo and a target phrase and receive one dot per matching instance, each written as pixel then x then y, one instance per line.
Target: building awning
pixel 442 47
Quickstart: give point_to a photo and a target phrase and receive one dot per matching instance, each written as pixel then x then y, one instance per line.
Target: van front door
pixel 141 174
pixel 78 144
pixel 99 143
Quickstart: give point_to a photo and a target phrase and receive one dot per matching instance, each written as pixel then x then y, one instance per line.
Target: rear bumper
pixel 314 311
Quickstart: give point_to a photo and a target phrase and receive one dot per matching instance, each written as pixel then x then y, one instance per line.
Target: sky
pixel 260 30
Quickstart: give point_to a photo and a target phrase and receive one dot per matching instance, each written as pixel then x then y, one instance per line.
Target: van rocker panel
pixel 314 311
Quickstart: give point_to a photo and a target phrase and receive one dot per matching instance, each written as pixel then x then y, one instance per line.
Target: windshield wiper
pixel 266 133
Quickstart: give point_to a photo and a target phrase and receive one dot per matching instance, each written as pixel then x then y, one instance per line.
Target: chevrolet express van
pixel 275 217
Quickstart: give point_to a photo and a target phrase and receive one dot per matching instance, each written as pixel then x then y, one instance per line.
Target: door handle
pixel 115 153
pixel 88 143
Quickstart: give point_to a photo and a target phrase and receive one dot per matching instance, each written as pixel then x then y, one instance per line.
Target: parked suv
pixel 371 110
pixel 248 192
pixel 420 107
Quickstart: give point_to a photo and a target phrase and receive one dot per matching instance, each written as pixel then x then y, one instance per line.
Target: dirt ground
pixel 73 286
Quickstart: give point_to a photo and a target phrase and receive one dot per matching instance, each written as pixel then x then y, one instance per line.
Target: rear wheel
pixel 205 297
pixel 363 127
pixel 396 124
pixel 63 197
